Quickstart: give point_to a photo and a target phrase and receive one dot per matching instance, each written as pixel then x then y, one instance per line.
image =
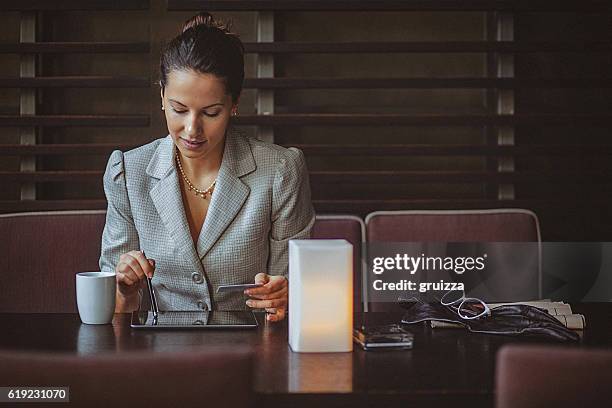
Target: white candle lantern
pixel 320 295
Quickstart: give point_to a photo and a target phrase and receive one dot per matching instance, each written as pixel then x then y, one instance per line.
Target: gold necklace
pixel 200 193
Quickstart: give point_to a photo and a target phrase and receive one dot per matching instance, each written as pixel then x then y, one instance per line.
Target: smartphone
pixel 237 288
pixel 386 337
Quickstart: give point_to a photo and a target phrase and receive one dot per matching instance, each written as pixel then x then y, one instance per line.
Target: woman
pixel 206 205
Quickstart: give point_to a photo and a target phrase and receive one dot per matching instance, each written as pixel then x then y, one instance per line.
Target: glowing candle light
pixel 320 295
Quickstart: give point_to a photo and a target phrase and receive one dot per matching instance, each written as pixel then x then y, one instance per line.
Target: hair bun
pixel 205 19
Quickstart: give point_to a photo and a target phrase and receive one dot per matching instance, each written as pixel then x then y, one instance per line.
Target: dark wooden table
pixel 447 368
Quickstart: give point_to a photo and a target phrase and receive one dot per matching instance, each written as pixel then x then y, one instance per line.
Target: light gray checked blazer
pixel 260 202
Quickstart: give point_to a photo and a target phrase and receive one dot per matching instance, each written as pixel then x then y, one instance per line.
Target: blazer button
pixel 202 305
pixel 197 278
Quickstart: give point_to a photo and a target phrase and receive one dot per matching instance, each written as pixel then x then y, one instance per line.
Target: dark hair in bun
pixel 208 47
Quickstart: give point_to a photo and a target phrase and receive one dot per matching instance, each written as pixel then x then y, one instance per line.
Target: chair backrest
pixel 40 255
pixel 44 251
pixel 352 229
pixel 491 225
pixel 218 377
pixel 540 376
pixel 497 225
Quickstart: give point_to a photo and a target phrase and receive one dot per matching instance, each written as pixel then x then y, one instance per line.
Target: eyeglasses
pixel 468 308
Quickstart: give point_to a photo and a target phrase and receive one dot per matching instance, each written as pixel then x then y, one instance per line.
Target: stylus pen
pixel 152 296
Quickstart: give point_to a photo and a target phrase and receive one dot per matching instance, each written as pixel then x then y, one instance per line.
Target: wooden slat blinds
pixel 422 83
pixel 388 5
pixel 74 120
pixel 505 107
pixel 75 82
pixel 63 5
pixel 377 47
pixel 55 47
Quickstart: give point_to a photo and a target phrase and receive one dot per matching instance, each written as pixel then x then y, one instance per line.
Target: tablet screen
pixel 195 320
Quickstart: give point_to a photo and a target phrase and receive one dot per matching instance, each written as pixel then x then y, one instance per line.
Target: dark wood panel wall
pixel 397 105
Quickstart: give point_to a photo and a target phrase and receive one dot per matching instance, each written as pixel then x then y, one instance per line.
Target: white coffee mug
pixel 96 296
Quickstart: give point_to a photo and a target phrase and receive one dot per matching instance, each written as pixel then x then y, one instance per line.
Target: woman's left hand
pixel 272 296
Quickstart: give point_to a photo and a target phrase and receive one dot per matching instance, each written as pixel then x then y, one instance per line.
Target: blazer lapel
pixel 230 192
pixel 166 196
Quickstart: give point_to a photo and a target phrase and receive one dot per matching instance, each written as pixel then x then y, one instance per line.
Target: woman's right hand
pixel 132 269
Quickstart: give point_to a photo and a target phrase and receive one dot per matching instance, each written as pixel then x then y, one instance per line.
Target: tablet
pixel 194 320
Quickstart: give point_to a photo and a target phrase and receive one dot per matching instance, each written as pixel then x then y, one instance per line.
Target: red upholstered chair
pixel 352 229
pixel 494 225
pixel 500 225
pixel 39 260
pixel 543 377
pixel 219 377
pixel 40 255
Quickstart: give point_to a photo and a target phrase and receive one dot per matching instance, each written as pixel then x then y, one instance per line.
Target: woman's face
pixel 197 112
